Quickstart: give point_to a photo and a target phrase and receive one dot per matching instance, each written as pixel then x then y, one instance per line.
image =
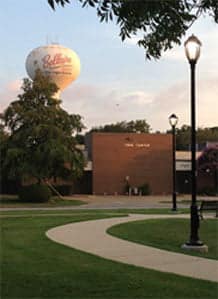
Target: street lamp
pixel 173 120
pixel 192 51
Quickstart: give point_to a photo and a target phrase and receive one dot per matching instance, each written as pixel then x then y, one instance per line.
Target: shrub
pixel 145 189
pixel 126 188
pixel 35 193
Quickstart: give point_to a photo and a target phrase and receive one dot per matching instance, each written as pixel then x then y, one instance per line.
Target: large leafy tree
pixel 3 149
pixel 183 136
pixel 160 24
pixel 208 163
pixel 139 125
pixel 40 141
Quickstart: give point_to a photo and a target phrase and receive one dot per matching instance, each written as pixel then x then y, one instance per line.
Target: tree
pixel 208 163
pixel 161 23
pixel 40 142
pixel 139 126
pixel 183 136
pixel 3 148
pixel 207 134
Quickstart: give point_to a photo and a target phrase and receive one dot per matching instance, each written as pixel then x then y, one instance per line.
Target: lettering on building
pixel 138 145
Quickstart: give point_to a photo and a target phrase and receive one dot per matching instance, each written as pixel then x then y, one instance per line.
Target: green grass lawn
pixel 12 201
pixel 169 234
pixel 35 267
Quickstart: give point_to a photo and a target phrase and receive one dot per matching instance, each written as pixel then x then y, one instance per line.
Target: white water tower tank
pixel 60 64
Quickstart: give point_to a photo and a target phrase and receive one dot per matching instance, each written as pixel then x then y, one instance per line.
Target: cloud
pixel 14 86
pixel 209 40
pixel 208 102
pixel 132 41
pixel 138 98
pixel 9 93
pixel 176 99
pixel 100 104
pixel 176 53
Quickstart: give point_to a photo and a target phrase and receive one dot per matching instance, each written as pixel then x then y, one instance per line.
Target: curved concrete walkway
pixel 91 237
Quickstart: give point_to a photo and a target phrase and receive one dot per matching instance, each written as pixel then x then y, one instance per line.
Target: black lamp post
pixel 192 51
pixel 173 120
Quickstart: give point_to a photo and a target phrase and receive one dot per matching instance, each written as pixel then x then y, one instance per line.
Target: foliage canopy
pixel 137 126
pixel 208 164
pixel 204 135
pixel 40 140
pixel 209 159
pixel 161 24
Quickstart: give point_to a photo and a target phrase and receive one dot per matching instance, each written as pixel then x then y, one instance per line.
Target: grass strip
pixel 73 211
pixel 169 234
pixel 9 201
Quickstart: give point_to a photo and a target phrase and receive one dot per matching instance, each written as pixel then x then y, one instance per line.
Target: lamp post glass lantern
pixel 173 120
pixel 192 51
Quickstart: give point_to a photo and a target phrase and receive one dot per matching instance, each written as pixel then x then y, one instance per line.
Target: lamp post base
pixel 196 247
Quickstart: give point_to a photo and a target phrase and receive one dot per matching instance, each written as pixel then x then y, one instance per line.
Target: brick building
pixel 136 158
pixel 115 159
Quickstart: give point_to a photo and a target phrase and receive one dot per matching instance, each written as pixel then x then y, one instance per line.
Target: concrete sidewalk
pixel 117 202
pixel 91 237
pixel 132 202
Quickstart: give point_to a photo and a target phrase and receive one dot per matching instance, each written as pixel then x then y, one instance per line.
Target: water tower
pixel 60 64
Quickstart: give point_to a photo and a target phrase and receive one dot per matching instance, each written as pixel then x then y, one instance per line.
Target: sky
pixel 116 82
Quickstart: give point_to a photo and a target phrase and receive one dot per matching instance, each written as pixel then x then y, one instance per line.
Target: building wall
pixel 144 158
